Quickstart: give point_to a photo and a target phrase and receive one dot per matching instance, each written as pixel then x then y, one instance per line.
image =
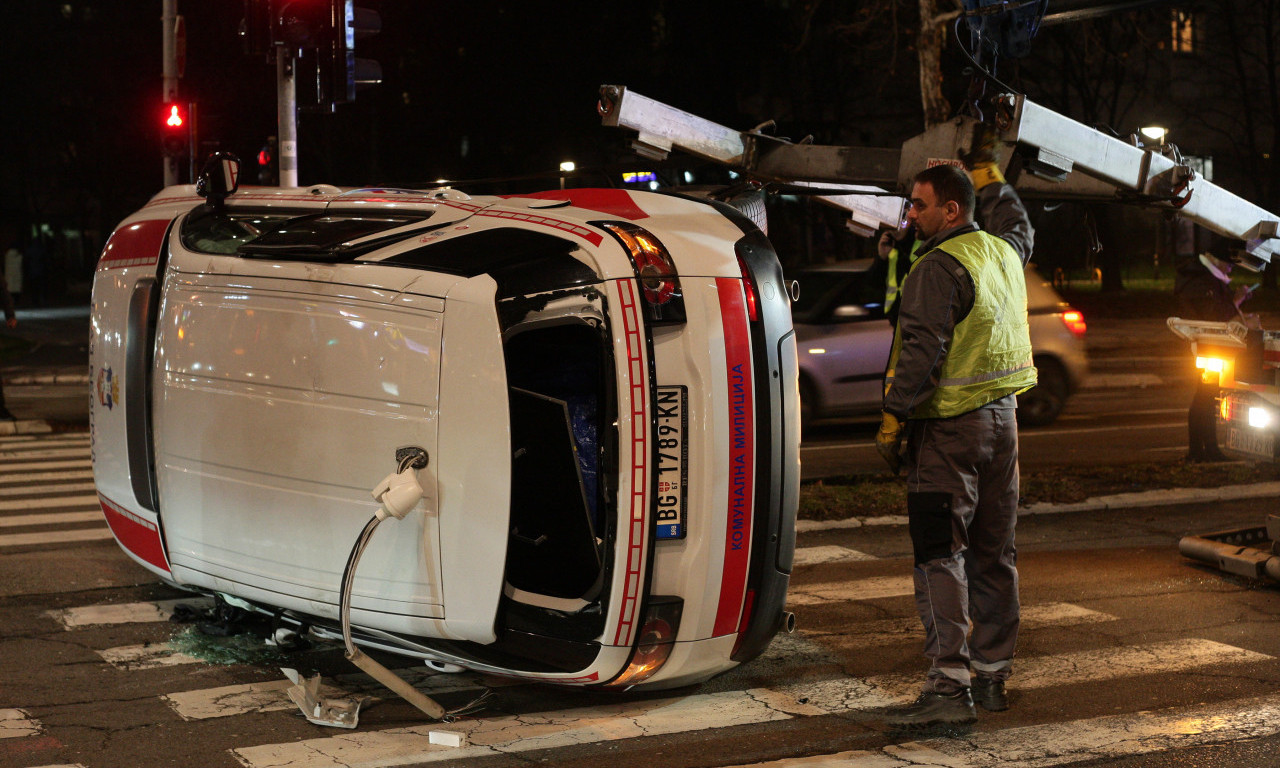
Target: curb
pixel 1161 498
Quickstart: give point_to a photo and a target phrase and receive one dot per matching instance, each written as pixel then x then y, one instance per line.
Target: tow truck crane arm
pixel 1058 157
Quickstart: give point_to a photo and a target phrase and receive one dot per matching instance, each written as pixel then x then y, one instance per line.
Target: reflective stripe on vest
pixel 990 351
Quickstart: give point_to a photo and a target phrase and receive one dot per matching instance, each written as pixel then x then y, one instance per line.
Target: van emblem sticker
pixel 108 387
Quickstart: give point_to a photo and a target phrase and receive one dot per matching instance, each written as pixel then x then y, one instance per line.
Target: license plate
pixel 673 460
pixel 1252 442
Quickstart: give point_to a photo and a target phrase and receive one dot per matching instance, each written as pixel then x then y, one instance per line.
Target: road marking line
pixel 1105 738
pixel 844 694
pixel 51 502
pixel 845 591
pixel 33 488
pixel 54 537
pixel 21 441
pixel 14 723
pixel 828 554
pixel 123 613
pixel 22 467
pixel 149 656
pixel 522 733
pixel 889 631
pixel 50 453
pixel 27 478
pixel 51 518
pixel 270 696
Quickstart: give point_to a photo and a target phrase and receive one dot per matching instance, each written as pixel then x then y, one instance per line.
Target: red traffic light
pixel 175 117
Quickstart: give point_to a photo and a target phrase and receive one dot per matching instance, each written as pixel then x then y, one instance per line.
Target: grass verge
pixel 875 495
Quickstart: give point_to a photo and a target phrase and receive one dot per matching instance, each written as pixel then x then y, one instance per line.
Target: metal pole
pixel 169 90
pixel 287 116
pixel 193 141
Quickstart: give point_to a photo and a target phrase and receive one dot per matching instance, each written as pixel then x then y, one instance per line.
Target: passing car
pixel 600 384
pixel 844 340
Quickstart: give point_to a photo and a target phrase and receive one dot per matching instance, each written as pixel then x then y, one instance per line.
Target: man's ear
pixel 953 209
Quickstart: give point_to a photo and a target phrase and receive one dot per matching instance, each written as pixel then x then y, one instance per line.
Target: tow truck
pixel 1047 155
pixel 1245 362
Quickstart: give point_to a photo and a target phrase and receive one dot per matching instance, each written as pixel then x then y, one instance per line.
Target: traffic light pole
pixel 287 115
pixel 169 20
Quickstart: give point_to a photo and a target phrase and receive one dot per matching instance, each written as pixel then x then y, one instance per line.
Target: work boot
pixel 935 709
pixel 988 693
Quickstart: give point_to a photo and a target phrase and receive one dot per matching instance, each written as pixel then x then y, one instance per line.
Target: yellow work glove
pixel 984 174
pixel 983 158
pixel 889 441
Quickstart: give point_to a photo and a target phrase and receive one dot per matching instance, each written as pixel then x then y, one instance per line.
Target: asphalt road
pixel 1114 424
pixel 1128 652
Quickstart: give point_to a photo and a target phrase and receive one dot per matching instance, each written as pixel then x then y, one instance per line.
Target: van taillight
pixel 656 271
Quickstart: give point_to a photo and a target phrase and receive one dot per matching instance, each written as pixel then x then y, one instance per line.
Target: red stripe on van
pixel 139 536
pixel 135 245
pixel 741 455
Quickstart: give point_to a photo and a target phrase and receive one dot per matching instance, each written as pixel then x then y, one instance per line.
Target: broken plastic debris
pixel 305 692
pixel 447 738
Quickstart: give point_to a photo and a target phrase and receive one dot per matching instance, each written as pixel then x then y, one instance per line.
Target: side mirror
pixel 219 178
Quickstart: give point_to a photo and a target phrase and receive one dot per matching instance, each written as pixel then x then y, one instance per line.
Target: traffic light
pixel 349 73
pixel 268 166
pixel 302 24
pixel 175 130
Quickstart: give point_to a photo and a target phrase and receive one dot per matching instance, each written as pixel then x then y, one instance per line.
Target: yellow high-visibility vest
pixel 990 351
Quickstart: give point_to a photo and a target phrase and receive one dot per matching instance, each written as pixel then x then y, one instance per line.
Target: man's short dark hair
pixel 950 183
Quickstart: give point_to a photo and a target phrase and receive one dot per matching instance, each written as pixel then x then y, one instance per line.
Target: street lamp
pixel 568 166
pixel 1154 132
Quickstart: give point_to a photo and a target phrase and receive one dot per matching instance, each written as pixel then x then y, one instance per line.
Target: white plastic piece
pixel 305 692
pixel 444 667
pixel 448 738
pixel 398 493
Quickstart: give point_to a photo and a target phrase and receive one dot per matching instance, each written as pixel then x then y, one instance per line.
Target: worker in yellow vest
pixel 896 252
pixel 961 354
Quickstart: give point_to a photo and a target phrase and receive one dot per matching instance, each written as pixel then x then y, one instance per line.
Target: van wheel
pixel 1040 405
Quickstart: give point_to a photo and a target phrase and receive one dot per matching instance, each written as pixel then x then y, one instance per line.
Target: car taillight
pixel 655 269
pixel 1074 321
pixel 654 643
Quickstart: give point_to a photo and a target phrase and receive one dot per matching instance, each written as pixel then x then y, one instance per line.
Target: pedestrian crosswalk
pixel 46 491
pixel 820 672
pixel 788 698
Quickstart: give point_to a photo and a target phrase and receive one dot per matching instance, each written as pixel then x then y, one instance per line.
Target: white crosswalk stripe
pixel 228 700
pixel 828 554
pixel 888 631
pixel 844 591
pixel 147 656
pixel 846 694
pixel 522 733
pixel 1039 746
pixel 122 613
pixel 50 479
pixel 14 724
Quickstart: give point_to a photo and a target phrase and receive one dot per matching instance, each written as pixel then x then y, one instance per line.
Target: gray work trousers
pixel 962 503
